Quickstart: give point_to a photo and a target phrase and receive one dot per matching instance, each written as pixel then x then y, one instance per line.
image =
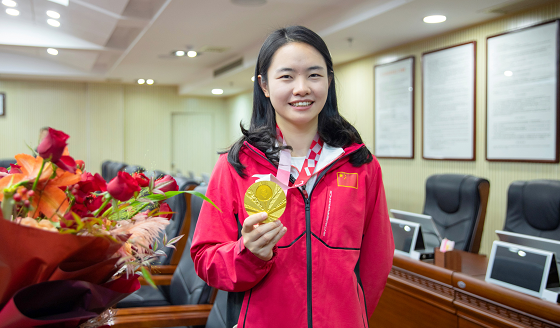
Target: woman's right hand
pixel 261 238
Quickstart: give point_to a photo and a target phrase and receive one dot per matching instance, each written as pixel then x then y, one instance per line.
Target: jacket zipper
pixel 307 200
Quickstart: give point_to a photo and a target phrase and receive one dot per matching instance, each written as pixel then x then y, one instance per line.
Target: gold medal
pixel 265 196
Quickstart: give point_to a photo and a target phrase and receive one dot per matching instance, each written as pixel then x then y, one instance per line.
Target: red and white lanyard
pixel 309 164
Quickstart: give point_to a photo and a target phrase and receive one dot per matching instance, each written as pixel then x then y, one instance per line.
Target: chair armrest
pixel 159 280
pixel 162 316
pixel 163 269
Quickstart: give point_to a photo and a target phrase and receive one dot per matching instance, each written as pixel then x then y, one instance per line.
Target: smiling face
pixel 297 85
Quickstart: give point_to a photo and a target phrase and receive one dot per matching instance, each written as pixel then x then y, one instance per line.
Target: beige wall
pixel 240 108
pixel 405 179
pixel 130 123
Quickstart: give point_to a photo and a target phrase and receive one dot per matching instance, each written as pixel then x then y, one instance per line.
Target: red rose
pixel 123 186
pixel 93 203
pixel 167 183
pixel 142 179
pixel 79 210
pixel 14 168
pixel 53 145
pixel 66 163
pixel 165 208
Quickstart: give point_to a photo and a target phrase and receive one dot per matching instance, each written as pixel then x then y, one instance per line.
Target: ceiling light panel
pixel 141 81
pixel 52 51
pixel 434 19
pixel 12 12
pixel 179 53
pixel 217 91
pixel 9 3
pixel 61 2
pixel 53 22
pixel 149 81
pixel 192 54
pixel 53 14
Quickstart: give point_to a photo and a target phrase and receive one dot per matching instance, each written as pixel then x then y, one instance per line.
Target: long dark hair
pixel 333 128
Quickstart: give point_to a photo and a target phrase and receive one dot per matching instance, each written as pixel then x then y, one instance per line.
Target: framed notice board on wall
pixel 449 103
pixel 2 104
pixel 522 95
pixel 394 109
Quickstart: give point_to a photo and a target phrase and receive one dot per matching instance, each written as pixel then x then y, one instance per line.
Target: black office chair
pixel 113 170
pixel 457 203
pixel 105 170
pixel 130 169
pixel 217 317
pixel 5 163
pixel 178 204
pixel 157 174
pixel 533 208
pixel 185 288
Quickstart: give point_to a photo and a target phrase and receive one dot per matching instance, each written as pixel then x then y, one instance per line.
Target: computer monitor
pixel 521 268
pixel 545 244
pixel 431 235
pixel 405 236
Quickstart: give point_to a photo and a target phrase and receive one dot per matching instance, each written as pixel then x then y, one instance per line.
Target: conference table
pixel 450 291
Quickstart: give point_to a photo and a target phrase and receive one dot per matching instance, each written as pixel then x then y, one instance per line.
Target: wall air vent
pixel 213 49
pixel 513 6
pixel 226 68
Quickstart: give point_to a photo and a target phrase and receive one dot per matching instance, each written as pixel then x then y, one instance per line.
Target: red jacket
pixel 337 235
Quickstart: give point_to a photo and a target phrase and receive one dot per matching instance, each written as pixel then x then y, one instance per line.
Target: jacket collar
pixel 329 155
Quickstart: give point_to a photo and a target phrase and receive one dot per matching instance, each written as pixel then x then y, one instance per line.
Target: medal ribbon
pixel 309 164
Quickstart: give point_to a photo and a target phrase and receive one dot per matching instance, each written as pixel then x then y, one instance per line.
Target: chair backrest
pixel 457 203
pixel 533 208
pixel 114 168
pixel 133 169
pixel 105 170
pixel 5 163
pixel 176 226
pixel 186 286
pixel 217 317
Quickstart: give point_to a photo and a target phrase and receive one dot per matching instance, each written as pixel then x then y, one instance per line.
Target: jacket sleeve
pixel 220 257
pixel 376 253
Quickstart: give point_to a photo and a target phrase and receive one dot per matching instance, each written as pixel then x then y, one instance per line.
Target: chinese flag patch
pixel 349 180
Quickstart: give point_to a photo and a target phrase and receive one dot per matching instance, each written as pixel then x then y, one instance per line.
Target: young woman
pixel 325 262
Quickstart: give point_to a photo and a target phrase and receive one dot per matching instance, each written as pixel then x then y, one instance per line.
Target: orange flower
pixel 49 199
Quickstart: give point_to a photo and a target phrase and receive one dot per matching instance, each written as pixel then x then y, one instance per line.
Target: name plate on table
pixel 407 237
pixel 524 269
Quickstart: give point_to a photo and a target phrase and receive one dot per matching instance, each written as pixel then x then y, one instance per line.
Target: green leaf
pixel 148 277
pixel 196 193
pixel 78 221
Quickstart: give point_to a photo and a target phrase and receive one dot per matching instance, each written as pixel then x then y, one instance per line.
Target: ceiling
pixel 124 40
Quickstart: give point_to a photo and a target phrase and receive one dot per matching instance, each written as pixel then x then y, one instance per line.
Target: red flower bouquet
pixel 73 245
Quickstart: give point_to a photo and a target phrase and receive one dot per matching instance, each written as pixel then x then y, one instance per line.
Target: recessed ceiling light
pixel 141 81
pixel 217 91
pixel 179 53
pixel 508 73
pixel 150 81
pixel 12 12
pixel 52 51
pixel 9 3
pixel 53 22
pixel 192 54
pixel 53 14
pixel 253 78
pixel 434 19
